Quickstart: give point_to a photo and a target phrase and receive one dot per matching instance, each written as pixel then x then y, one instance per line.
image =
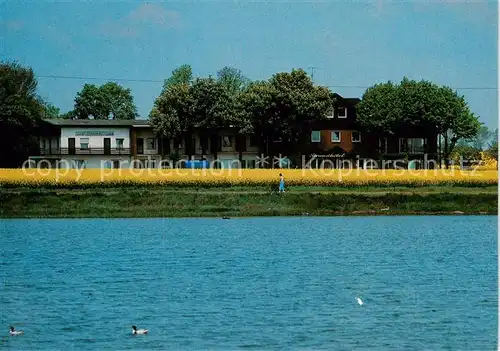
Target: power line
pixel 161 81
pixel 102 78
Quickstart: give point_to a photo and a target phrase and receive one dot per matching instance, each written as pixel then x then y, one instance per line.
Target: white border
pixel 314 141
pixel 344 117
pixel 330 114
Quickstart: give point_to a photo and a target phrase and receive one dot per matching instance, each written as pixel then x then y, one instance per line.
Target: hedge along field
pixel 96 178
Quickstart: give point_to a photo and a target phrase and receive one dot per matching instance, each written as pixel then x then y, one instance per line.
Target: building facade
pixel 133 143
pixel 339 137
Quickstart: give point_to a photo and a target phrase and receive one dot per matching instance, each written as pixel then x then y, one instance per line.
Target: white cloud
pixel 154 14
pixel 132 25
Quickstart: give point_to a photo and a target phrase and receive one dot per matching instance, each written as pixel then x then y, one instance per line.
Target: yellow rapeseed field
pixel 242 177
pixel 488 163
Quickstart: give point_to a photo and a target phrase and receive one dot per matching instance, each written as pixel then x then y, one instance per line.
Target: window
pixel 315 136
pixel 336 137
pixel 119 143
pixel 227 141
pixel 356 137
pixel 84 143
pixel 330 113
pixel 151 144
pixel 412 145
pixel 341 112
pixel 382 145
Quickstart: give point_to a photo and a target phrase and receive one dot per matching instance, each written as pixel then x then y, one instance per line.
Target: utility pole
pixel 312 72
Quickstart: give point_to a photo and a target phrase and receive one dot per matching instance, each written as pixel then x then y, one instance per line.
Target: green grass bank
pixel 244 201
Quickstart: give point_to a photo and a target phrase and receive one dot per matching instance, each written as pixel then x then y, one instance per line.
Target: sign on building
pixel 94 133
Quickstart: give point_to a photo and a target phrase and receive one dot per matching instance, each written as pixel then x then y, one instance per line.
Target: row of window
pixel 335 136
pixel 341 113
pixel 405 144
pixel 80 164
pixel 150 144
pixel 223 164
pixel 226 142
pixel 84 142
pixel 411 145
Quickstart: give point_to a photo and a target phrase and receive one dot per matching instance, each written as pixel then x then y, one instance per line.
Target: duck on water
pixel 136 331
pixel 14 332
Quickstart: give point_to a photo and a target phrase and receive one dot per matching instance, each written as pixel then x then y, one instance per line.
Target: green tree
pixel 21 111
pixel 109 101
pixel 483 137
pixel 492 149
pixel 234 82
pixel 51 111
pixel 390 108
pixel 232 79
pixel 283 108
pixel 453 119
pixel 215 107
pixel 379 109
pixel 256 103
pixel 181 75
pixel 465 152
pixel 172 113
pixel 68 115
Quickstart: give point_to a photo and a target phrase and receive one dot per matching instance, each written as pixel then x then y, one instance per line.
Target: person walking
pixel 282 184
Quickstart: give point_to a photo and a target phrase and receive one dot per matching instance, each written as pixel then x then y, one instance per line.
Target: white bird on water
pixel 360 302
pixel 138 331
pixel 14 332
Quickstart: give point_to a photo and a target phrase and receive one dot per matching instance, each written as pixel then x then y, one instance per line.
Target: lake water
pixel 251 283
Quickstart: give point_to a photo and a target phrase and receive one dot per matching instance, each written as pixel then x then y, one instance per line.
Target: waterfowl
pixel 14 332
pixel 360 302
pixel 138 331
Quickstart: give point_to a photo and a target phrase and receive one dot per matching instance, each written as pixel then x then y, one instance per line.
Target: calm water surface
pixel 262 283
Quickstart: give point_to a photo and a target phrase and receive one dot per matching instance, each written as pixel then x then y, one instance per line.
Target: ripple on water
pixel 427 283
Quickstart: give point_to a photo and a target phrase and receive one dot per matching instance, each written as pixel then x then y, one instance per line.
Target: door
pixel 71 146
pixel 140 146
pixel 107 146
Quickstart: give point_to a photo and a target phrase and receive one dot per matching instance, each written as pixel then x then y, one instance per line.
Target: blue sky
pixel 352 44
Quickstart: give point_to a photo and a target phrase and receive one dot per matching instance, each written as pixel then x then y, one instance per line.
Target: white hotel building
pixel 130 143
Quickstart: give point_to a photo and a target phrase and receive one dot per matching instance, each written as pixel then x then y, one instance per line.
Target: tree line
pixel 279 108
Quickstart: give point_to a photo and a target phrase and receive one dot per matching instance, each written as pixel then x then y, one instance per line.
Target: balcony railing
pixel 85 151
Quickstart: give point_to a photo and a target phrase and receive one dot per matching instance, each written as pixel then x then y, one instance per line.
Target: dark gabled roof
pixel 97 122
pixel 353 101
pixel 348 101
